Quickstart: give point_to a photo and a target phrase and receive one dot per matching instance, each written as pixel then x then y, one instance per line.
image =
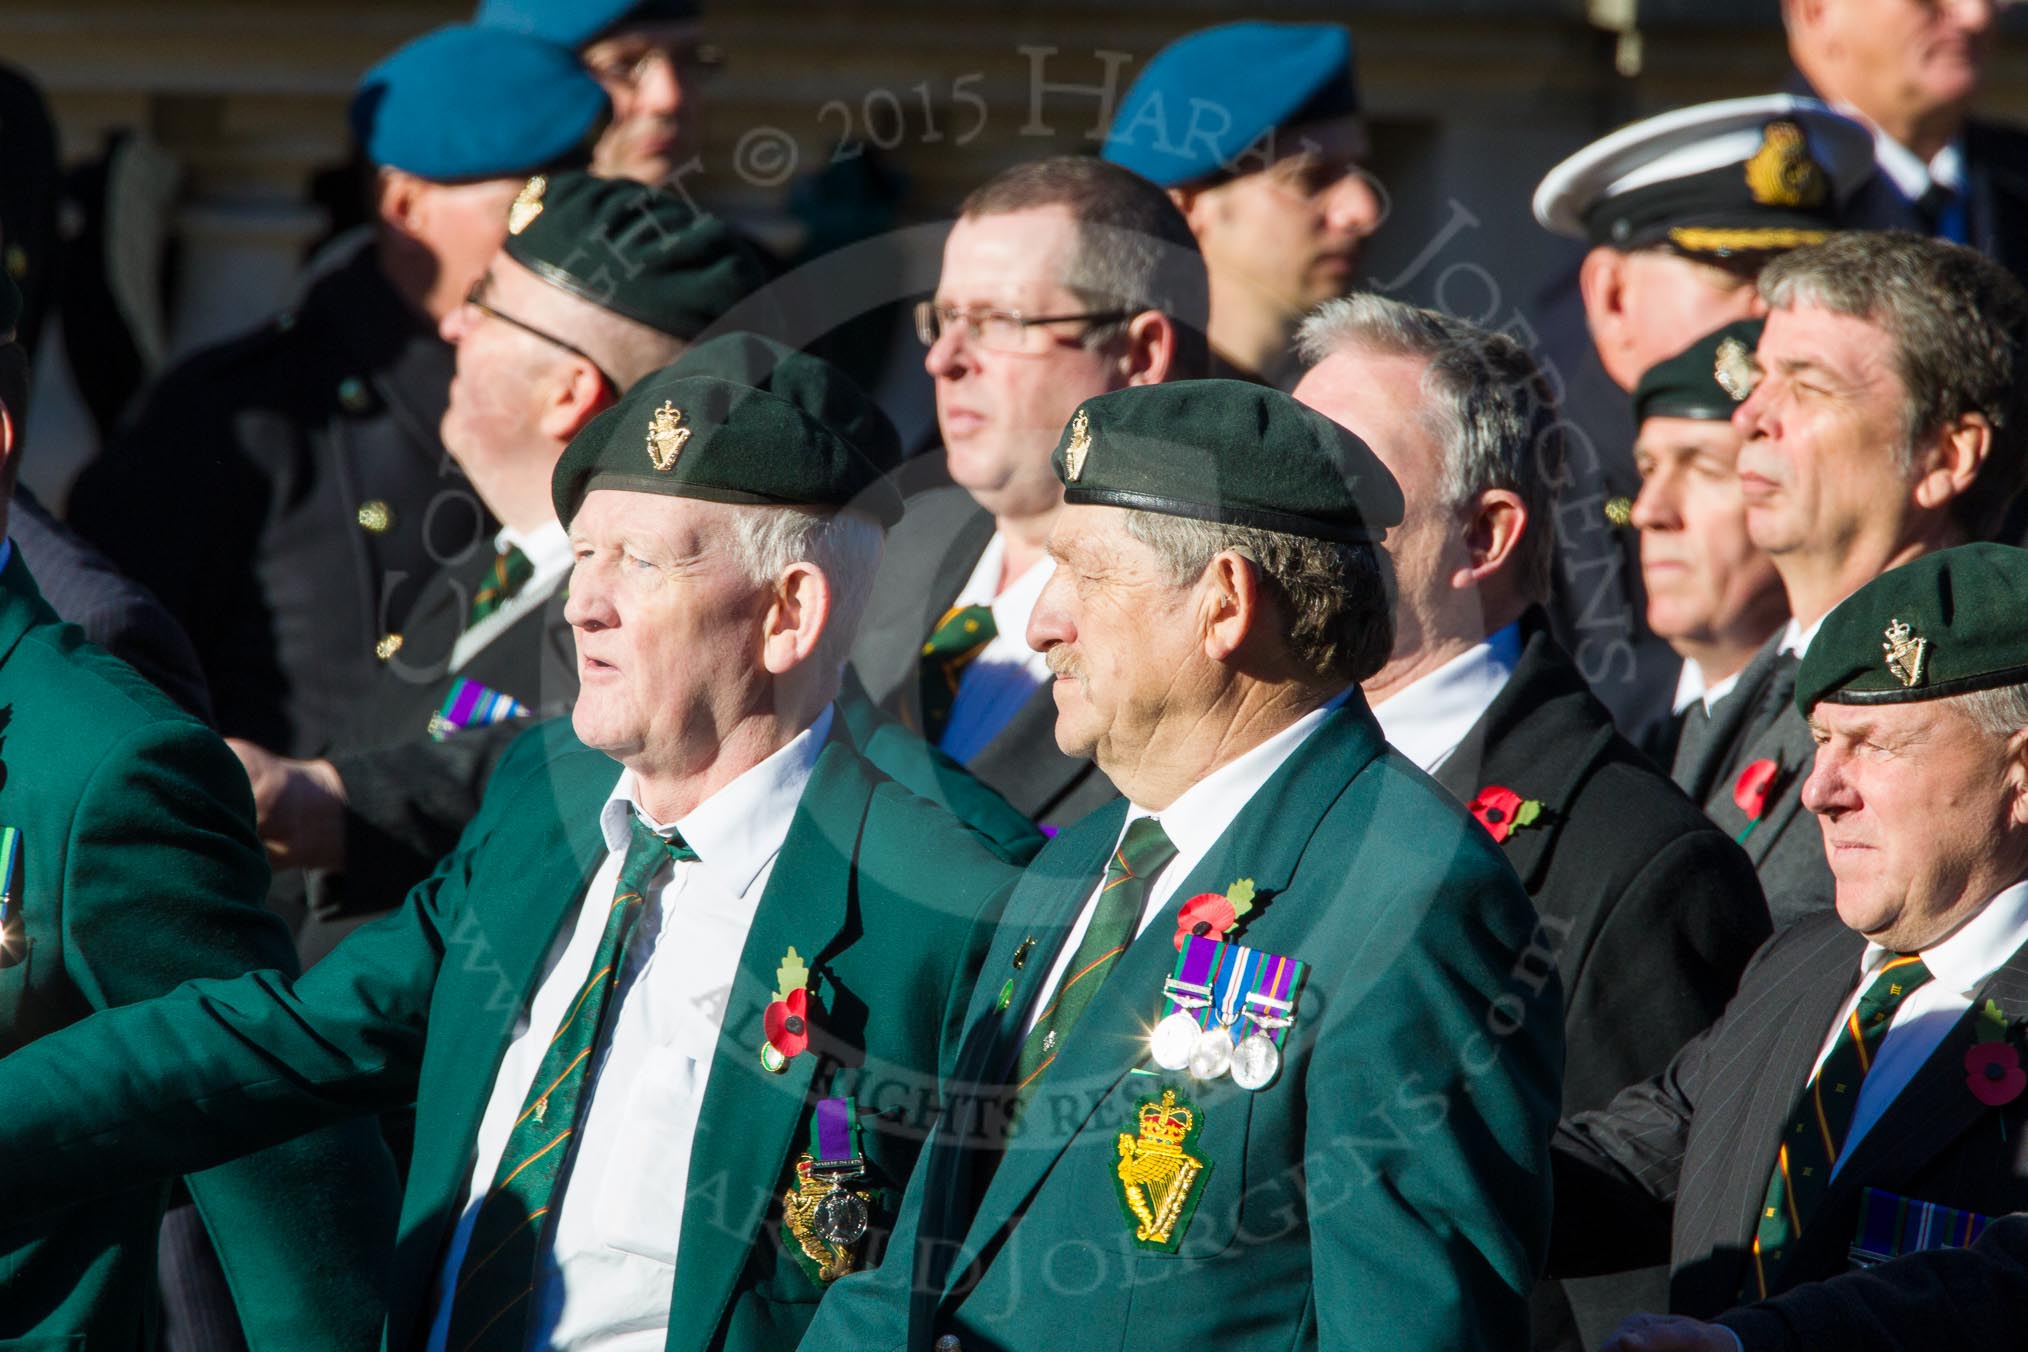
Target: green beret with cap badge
pixel 637 251
pixel 1707 380
pixel 702 436
pixel 1228 451
pixel 1948 623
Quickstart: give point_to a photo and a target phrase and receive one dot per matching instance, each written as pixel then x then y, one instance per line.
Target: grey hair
pixel 1484 400
pixel 844 546
pixel 1957 323
pixel 1336 599
pixel 2000 712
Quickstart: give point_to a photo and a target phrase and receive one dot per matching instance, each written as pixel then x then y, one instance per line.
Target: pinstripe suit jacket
pixel 1678 1165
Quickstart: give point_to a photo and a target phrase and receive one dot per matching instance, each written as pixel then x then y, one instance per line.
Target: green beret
pixel 632 249
pixel 701 436
pixel 812 384
pixel 1706 380
pixel 1946 624
pixel 1228 451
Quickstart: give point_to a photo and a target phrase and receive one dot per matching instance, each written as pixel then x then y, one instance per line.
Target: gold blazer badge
pixel 1157 1175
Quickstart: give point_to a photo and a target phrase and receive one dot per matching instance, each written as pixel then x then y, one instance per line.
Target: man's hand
pixel 299 807
pixel 1670 1333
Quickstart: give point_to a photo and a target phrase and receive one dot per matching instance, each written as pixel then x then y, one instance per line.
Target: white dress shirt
pixel 1426 719
pixel 1193 823
pixel 1796 639
pixel 1958 967
pixel 548 549
pixel 1690 688
pixel 994 685
pixel 611 1260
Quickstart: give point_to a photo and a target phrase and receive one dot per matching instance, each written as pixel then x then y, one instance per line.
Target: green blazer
pixel 886 896
pixel 139 869
pixel 1388 1189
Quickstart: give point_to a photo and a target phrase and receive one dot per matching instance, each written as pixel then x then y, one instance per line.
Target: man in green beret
pixel 1711 595
pixel 674 1014
pixel 1890 420
pixel 128 865
pixel 1264 1030
pixel 1861 1096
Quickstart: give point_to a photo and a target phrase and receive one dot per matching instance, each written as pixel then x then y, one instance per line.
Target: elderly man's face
pixel 1820 470
pixel 653 74
pixel 1899 58
pixel 668 628
pixel 1002 411
pixel 1706 582
pixel 1121 639
pixel 1921 816
pixel 1290 234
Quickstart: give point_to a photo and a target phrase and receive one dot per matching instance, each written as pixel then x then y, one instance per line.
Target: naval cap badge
pixel 1781 173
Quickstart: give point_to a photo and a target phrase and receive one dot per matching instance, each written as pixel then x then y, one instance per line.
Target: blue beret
pixel 1203 99
pixel 464 102
pixel 573 23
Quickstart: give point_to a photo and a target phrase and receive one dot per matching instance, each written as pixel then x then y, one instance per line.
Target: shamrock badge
pixel 1503 812
pixel 1214 915
pixel 1993 1064
pixel 786 1023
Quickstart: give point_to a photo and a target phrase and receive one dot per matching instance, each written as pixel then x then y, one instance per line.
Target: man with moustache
pixel 1712 596
pixel 1062 278
pixel 1357 1162
pixel 1254 131
pixel 1861 1096
pixel 1889 421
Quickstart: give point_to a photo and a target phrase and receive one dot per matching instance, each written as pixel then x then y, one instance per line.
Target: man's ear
pixel 400 198
pixel 1950 463
pixel 577 395
pixel 1232 604
pixel 1494 523
pixel 796 618
pixel 1602 284
pixel 1148 349
pixel 2017 775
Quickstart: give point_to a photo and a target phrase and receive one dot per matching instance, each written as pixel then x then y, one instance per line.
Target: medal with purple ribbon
pixel 1226 1008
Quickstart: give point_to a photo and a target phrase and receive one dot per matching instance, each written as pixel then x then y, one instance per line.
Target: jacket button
pixel 375 516
pixel 389 645
pixel 353 396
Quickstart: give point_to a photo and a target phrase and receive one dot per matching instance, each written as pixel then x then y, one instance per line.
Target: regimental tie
pixel 509 574
pixel 496 1281
pixel 1815 1136
pixel 1142 853
pixel 961 635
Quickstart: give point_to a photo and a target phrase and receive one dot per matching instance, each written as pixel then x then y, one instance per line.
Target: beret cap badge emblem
pixel 1734 370
pixel 527 204
pixel 1079 446
pixel 665 438
pixel 1906 653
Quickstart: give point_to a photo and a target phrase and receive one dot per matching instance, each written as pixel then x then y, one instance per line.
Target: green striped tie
pixel 510 572
pixel 489 1308
pixel 1142 853
pixel 961 635
pixel 1809 1148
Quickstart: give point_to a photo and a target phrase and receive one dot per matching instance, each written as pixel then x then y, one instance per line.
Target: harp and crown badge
pixel 1157 1175
pixel 1906 652
pixel 1079 446
pixel 527 204
pixel 1734 370
pixel 666 435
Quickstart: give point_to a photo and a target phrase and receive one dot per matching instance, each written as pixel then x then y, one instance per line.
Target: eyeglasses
pixel 690 61
pixel 476 298
pixel 997 330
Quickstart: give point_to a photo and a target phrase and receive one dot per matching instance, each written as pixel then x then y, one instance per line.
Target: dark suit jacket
pixel 1976 1297
pixel 418 1007
pixel 1678 1164
pixel 1650 911
pixel 243 494
pixel 929 555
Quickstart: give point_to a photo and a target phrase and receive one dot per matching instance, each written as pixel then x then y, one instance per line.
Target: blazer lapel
pixel 1697 766
pixel 746 1124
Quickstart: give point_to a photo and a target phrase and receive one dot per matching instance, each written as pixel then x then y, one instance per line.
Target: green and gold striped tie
pixel 496 1281
pixel 961 635
pixel 1116 918
pixel 509 574
pixel 1810 1147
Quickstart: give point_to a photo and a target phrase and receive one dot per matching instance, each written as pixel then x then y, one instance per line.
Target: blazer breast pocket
pixel 1179 1164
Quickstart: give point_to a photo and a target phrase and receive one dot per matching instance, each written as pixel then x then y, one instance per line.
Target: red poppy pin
pixel 1214 915
pixel 1992 1064
pixel 1751 791
pixel 786 1023
pixel 1503 812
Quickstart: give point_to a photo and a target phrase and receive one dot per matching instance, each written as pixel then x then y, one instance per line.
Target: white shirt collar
pixel 1426 719
pixel 737 830
pixel 1964 961
pixel 1201 812
pixel 547 546
pixel 1690 688
pixel 1796 639
pixel 1908 173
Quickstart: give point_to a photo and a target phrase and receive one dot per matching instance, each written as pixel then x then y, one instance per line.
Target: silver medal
pixel 1212 1055
pixel 841 1217
pixel 1255 1061
pixel 1173 1040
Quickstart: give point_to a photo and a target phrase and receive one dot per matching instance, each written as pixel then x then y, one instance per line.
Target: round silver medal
pixel 841 1217
pixel 1255 1061
pixel 1212 1055
pixel 1173 1040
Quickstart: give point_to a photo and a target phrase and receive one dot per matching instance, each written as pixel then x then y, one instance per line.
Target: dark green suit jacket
pixel 139 869
pixel 1388 1189
pixel 887 897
